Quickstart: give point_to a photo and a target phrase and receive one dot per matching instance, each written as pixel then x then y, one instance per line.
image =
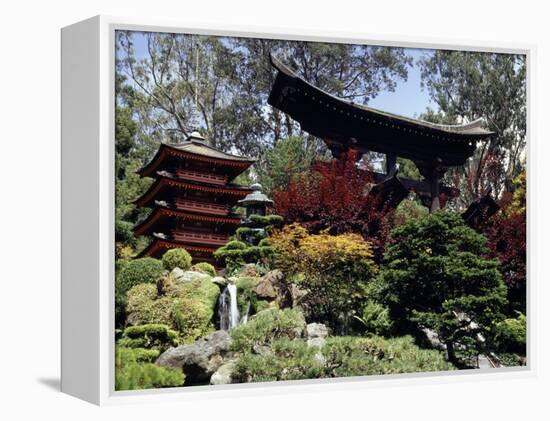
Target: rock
pixel 223 373
pixel 318 342
pixel 188 276
pixel 248 270
pixel 316 334
pixel 272 287
pixel 261 349
pixel 265 289
pixel 200 359
pixel 320 358
pixel 297 294
pixel 316 330
pixel 218 280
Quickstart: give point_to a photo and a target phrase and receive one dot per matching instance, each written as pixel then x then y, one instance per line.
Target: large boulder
pixel 200 360
pixel 272 287
pixel 223 374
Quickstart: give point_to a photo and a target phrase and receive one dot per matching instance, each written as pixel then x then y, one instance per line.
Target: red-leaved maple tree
pixel 334 196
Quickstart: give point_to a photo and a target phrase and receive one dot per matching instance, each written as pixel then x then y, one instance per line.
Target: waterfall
pixel 228 311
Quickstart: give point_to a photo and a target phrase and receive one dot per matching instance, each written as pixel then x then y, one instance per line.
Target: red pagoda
pixel 191 198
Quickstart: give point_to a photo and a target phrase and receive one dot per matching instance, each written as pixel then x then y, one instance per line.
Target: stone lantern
pixel 256 203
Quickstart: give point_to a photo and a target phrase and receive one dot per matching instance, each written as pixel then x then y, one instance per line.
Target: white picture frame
pixel 88 215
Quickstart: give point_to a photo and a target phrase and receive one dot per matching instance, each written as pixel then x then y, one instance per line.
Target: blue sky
pixel 408 99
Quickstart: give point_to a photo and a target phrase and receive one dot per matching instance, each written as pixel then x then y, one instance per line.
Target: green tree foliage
pixel 408 209
pixel 435 275
pixel 287 159
pixel 221 85
pixel 467 86
pixel 133 374
pixel 511 334
pixel 376 318
pixel 176 258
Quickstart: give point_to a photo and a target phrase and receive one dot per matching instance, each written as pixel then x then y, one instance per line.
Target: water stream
pixel 228 310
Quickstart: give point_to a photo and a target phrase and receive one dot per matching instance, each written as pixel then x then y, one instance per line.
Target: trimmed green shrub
pixel 376 319
pixel 150 336
pixel 357 356
pixel 138 271
pixel 205 267
pixel 267 220
pixel 187 307
pixel 511 334
pixel 341 356
pixel 176 258
pixel 131 374
pixel 129 273
pixel 287 360
pixel 249 244
pixel 266 326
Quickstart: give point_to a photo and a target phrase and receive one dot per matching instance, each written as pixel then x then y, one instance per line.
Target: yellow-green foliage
pixel 300 251
pixel 176 258
pixel 132 373
pixel 205 267
pixel 335 269
pixel 267 326
pixel 187 307
pixel 511 334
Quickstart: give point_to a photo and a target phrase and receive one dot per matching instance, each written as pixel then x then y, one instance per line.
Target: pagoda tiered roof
pixel 163 213
pixel 191 198
pixel 167 180
pixel 195 148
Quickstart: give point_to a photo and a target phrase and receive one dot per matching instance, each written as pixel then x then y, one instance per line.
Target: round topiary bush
pixel 205 267
pixel 138 271
pixel 176 258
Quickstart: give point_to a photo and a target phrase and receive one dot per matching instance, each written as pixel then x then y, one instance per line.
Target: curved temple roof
pixel 195 147
pixel 344 122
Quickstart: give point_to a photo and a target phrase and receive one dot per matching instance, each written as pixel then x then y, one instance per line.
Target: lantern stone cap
pixel 256 197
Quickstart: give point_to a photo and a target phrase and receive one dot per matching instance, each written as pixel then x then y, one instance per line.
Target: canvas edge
pixel 80 104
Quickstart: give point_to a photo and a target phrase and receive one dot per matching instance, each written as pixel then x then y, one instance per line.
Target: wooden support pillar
pixel 391 163
pixel 432 172
pixel 434 192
